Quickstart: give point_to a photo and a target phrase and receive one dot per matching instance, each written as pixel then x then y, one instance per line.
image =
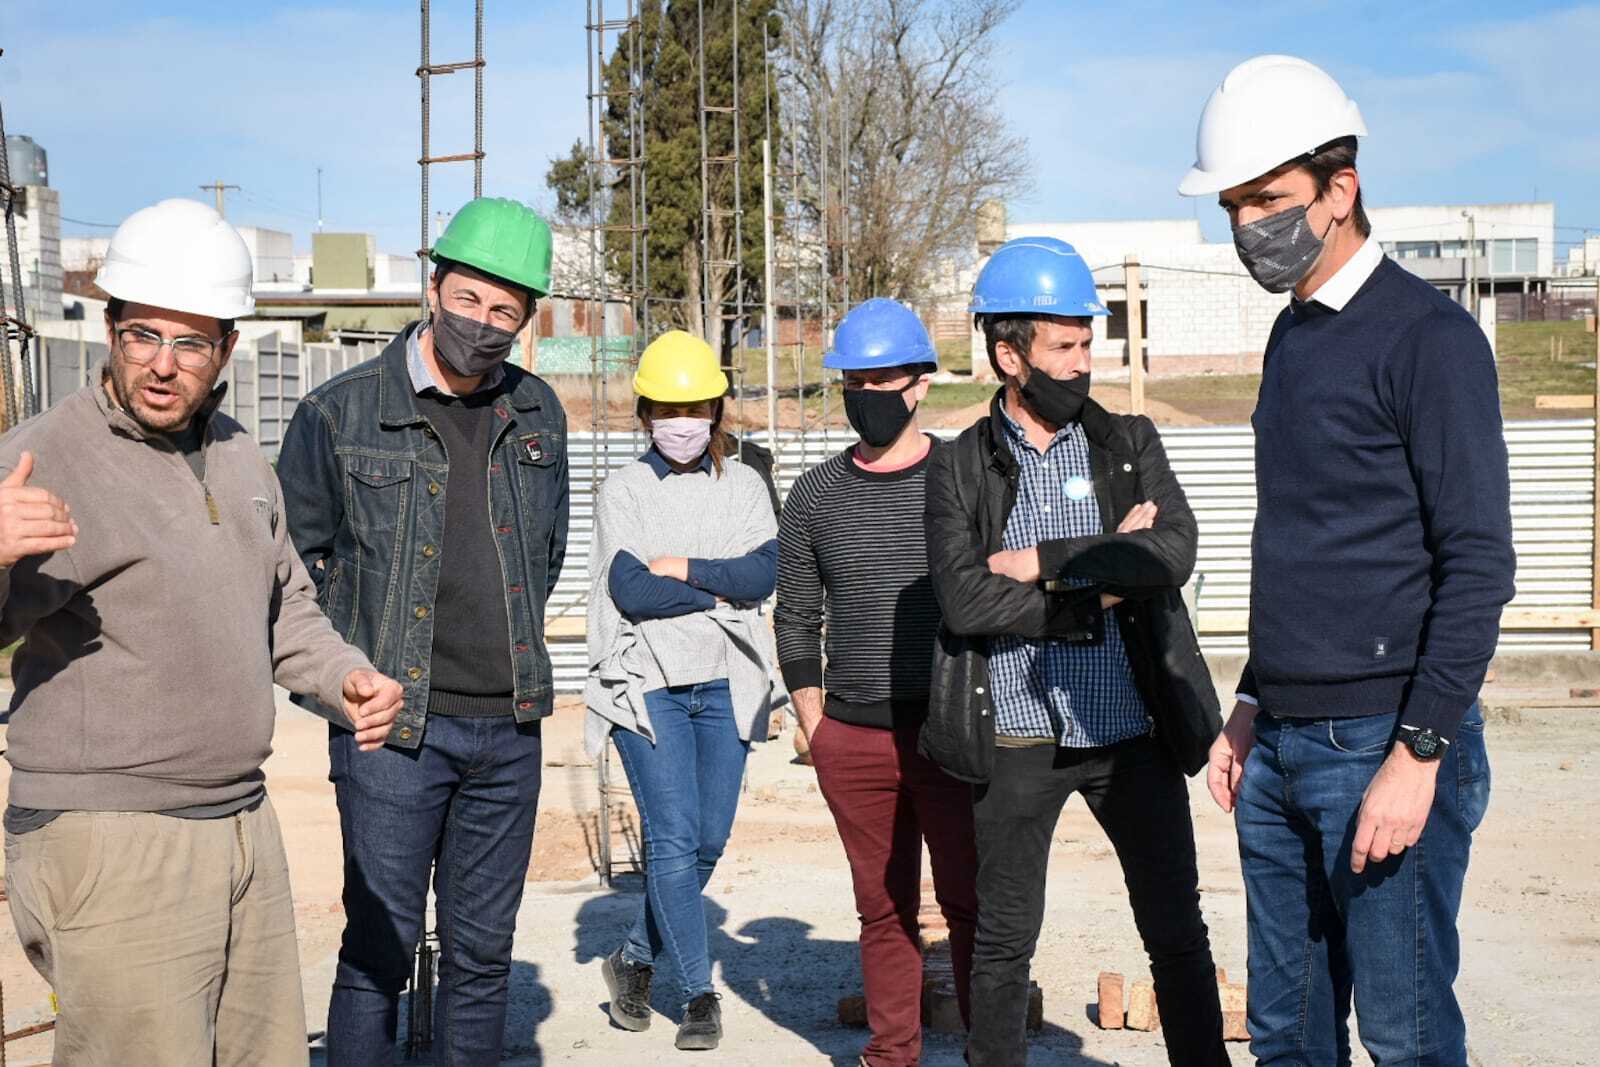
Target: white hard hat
pixel 1267 111
pixel 182 256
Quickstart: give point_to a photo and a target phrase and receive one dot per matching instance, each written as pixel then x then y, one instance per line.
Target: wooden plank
pixel 566 626
pixel 1238 622
pixel 1564 402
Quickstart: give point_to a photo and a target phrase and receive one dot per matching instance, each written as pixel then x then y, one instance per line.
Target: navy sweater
pixel 1382 554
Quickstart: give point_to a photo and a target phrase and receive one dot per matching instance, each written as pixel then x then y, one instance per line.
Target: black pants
pixel 1137 794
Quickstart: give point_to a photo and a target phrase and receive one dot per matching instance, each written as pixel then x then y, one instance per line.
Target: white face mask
pixel 683 439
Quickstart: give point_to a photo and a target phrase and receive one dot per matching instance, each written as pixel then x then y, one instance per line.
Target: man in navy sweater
pixel 1354 759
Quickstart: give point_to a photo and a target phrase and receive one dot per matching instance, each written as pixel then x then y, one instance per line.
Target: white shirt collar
pixel 1338 290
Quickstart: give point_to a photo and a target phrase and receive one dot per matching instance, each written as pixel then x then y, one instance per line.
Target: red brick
pixel 1110 996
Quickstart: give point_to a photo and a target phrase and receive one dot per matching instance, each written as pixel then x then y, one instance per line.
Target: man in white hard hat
pixel 146 568
pixel 1354 759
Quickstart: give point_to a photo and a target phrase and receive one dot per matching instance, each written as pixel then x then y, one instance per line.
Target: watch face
pixel 1425 743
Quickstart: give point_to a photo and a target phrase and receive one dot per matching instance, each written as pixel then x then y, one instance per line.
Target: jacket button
pixel 1127 466
pixel 428 551
pixel 414 673
pixel 433 488
pixel 421 612
pixel 979 690
pixel 405 733
pixel 526 704
pixel 516 588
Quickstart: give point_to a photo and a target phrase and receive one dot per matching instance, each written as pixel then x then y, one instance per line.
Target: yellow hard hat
pixel 679 368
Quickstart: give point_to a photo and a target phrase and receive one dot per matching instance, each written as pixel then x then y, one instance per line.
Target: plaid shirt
pixel 1082 695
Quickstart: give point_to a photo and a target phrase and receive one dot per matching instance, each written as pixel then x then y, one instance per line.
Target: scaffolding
pixel 17 404
pixel 616 159
pixel 427 70
pixel 723 318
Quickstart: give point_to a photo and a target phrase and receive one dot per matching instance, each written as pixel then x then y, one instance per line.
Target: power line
pixel 84 222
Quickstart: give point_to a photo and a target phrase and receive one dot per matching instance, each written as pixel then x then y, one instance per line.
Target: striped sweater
pixel 853 564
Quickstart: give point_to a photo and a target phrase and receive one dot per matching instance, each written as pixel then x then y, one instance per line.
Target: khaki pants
pixel 167 941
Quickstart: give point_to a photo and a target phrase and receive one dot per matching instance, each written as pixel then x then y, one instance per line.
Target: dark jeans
pixel 885 799
pixel 1138 795
pixel 463 805
pixel 1319 933
pixel 687 788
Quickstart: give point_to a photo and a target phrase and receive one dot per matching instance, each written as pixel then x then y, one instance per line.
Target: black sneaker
pixel 629 985
pixel 701 1028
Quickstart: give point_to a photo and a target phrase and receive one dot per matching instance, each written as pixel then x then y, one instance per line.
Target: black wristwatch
pixel 1425 744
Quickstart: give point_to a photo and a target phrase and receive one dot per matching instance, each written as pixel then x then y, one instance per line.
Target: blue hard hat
pixel 1036 275
pixel 880 333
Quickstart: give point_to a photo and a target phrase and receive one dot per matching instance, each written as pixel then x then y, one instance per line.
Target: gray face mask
pixel 468 347
pixel 1278 250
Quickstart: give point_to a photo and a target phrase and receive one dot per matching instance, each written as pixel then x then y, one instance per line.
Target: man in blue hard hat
pixel 1354 759
pixel 1058 539
pixel 852 562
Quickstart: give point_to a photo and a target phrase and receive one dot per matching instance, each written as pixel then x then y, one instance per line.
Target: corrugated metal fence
pixel 1552 507
pixel 1552 486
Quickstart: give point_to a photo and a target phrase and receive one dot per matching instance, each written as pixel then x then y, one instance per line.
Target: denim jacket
pixel 364 481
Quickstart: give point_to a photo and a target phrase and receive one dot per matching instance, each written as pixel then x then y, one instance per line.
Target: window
pixel 1416 249
pixel 1514 256
pixel 1458 249
pixel 1117 324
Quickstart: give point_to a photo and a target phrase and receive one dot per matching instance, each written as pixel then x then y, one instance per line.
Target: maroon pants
pixel 886 799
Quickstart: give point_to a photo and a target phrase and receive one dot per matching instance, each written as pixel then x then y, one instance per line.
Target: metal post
pixel 705 202
pixel 768 284
pixel 1594 635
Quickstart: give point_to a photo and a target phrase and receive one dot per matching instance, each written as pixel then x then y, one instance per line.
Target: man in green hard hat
pixel 426 491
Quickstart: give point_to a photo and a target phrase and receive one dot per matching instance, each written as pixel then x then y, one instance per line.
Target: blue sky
pixel 1466 101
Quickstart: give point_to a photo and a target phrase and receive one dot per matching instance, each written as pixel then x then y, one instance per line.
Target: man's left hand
pixel 371 701
pixel 1394 809
pixel 1020 564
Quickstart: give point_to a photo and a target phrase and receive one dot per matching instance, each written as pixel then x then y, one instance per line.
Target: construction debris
pixel 1141 1013
pixel 1110 999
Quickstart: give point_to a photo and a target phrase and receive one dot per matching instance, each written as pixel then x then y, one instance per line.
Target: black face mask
pixel 468 347
pixel 878 415
pixel 1058 401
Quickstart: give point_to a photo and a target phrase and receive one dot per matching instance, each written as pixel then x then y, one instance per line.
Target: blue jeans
pixel 462 805
pixel 687 788
pixel 1319 934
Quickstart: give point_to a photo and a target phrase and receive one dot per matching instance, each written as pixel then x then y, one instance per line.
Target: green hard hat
pixel 499 237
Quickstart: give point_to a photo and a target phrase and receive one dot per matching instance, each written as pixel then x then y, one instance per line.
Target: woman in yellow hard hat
pixel 680 661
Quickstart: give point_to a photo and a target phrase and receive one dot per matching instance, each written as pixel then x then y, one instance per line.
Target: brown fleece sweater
pixel 144 680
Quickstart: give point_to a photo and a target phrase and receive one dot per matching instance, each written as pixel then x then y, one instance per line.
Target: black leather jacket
pixel 972 487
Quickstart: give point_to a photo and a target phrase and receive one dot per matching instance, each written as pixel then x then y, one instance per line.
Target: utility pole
pixel 218 188
pixel 1472 263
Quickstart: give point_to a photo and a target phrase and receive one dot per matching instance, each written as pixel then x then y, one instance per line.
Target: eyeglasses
pixel 191 352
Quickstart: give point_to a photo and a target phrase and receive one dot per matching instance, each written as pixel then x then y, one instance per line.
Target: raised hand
pixel 33 521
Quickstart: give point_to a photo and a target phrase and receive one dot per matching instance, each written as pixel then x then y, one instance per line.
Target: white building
pixel 38 219
pixel 1202 313
pixel 272 255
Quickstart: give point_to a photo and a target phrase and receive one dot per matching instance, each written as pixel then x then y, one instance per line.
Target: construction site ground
pixel 783 926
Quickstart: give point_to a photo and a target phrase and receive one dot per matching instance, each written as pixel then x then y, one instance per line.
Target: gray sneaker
pixel 629 986
pixel 701 1028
